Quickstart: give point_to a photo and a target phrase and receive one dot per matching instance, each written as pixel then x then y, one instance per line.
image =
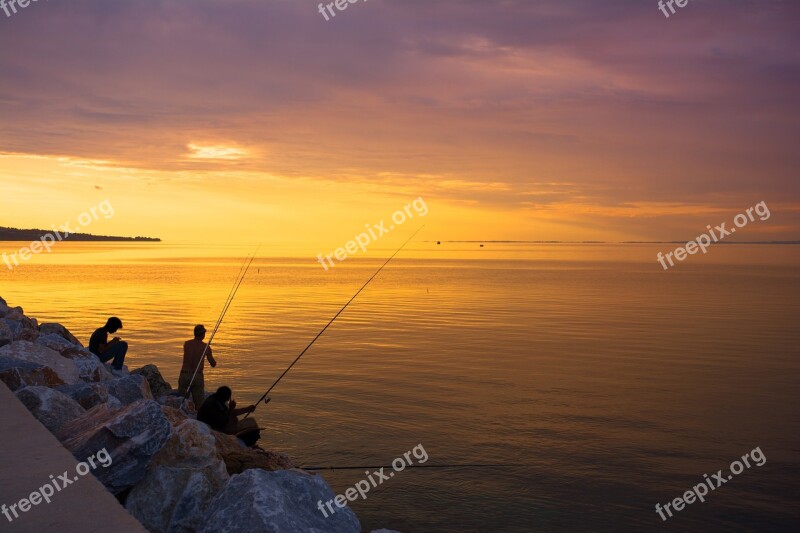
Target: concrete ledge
pixel 29 455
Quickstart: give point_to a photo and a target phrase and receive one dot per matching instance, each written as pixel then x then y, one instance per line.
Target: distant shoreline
pixel 30 235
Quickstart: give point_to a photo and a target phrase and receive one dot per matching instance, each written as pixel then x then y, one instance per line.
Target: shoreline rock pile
pixel 171 472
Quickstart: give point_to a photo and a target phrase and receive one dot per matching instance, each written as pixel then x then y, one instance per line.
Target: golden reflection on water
pixel 588 363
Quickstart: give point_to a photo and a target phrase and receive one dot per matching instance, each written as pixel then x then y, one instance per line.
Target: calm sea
pixel 614 384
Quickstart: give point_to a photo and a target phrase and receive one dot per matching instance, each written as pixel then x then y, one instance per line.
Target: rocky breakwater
pixel 170 471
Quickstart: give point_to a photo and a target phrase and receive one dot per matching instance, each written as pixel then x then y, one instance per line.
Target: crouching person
pixel 219 411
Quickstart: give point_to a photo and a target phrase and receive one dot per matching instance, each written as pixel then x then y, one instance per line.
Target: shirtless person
pixel 192 354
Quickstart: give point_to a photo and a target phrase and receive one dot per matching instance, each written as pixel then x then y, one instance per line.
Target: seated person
pixel 116 349
pixel 222 417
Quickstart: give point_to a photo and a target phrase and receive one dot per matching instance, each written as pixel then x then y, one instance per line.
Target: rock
pixel 52 328
pixel 280 501
pixel 132 434
pixel 87 395
pixel 182 479
pixel 35 353
pixel 10 330
pixel 57 343
pixel 23 328
pixel 174 415
pixel 128 389
pixel 158 386
pixel 92 369
pixel 176 402
pixel 239 458
pixel 16 374
pixel 28 334
pixel 3 308
pixel 15 313
pixel 382 530
pixel 50 407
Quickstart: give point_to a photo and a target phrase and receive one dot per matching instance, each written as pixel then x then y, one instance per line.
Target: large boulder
pixel 49 328
pixel 90 368
pixel 10 330
pixel 239 458
pixel 276 502
pixel 56 343
pixel 176 401
pixel 36 353
pixel 182 479
pixel 16 373
pixel 22 327
pixel 129 389
pixel 50 407
pixel 87 395
pixel 158 386
pixel 132 434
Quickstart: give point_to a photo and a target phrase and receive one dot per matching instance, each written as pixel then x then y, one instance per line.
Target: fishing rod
pixel 231 295
pixel 316 468
pixel 332 319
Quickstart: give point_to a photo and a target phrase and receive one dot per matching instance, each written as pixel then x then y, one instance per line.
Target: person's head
pixel 224 394
pixel 113 324
pixel 199 331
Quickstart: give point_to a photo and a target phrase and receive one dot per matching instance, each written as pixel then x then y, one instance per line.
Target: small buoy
pixel 481 246
pixel 438 242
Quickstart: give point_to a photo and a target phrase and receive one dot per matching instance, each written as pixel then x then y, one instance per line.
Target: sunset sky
pixel 533 119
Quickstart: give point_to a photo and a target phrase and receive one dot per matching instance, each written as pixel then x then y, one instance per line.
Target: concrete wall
pixel 29 455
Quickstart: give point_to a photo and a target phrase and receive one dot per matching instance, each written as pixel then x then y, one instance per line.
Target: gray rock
pixel 10 330
pixel 158 386
pixel 56 343
pixel 129 389
pixel 280 501
pixel 176 402
pixel 132 434
pixel 183 478
pixel 87 395
pixel 22 327
pixel 35 353
pixel 50 407
pixel 382 530
pixel 52 328
pixel 92 369
pixel 16 374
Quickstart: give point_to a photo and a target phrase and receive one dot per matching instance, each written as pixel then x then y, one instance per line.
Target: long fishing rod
pixel 316 468
pixel 231 295
pixel 332 319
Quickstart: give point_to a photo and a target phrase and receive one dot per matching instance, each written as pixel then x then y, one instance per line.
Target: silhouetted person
pixel 223 417
pixel 192 358
pixel 116 349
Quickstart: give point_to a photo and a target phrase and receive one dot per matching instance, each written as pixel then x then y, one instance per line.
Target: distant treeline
pixel 14 234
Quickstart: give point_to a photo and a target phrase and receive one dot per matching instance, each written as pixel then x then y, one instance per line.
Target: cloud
pixel 478 101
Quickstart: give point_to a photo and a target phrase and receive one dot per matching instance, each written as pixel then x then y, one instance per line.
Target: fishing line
pixel 231 295
pixel 332 319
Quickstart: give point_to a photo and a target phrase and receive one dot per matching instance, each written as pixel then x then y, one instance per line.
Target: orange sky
pixel 259 121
